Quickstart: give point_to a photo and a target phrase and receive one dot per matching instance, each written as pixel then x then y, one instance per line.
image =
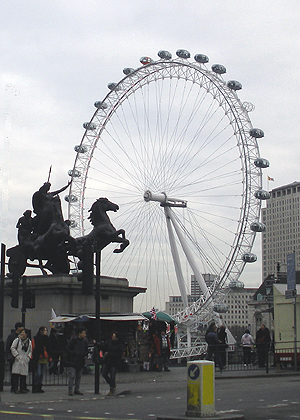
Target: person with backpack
pixel 21 349
pixel 19 326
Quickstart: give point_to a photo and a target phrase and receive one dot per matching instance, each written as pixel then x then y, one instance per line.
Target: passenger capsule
pixel 249 257
pixel 257 133
pixel 146 60
pixel 71 198
pixel 236 284
pixel 258 227
pixel 128 70
pixel 248 106
pixel 100 105
pixel 234 85
pixel 201 58
pixel 166 55
pixel 80 148
pixel 73 224
pixel 89 126
pixel 218 68
pixel 262 195
pixel 113 86
pixel 74 173
pixel 261 163
pixel 221 308
pixel 183 54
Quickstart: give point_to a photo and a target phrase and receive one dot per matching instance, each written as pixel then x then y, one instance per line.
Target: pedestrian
pixel 162 349
pixel 41 355
pixel 213 342
pixel 247 343
pixel 222 336
pixel 19 326
pixel 58 345
pixel 21 349
pixel 77 351
pixel 262 341
pixel 210 328
pixel 112 352
pixel 172 334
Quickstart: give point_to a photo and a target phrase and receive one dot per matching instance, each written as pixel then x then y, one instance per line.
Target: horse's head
pixel 99 209
pixel 107 205
pixel 103 204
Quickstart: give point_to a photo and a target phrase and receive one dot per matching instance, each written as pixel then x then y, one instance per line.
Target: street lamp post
pixel 97 319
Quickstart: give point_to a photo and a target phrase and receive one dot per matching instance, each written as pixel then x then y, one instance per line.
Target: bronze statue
pixel 47 207
pixel 46 237
pixel 103 232
pixel 24 227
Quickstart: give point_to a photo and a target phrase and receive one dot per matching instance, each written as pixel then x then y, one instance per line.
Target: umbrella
pixel 160 316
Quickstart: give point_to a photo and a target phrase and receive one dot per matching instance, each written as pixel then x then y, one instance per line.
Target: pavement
pixel 129 383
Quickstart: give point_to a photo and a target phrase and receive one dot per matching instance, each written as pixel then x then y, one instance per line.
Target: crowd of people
pixel 56 353
pixel 24 354
pixel 217 341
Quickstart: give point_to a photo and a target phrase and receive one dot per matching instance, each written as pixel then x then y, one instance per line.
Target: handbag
pixel 97 357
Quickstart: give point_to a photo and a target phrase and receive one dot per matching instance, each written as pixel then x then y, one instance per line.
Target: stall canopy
pixel 62 319
pixel 160 316
pixel 109 317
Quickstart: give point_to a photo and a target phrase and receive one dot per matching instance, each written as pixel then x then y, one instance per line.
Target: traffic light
pixel 14 286
pixel 86 264
pixel 29 299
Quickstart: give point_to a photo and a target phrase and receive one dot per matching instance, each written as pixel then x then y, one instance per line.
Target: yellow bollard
pixel 200 388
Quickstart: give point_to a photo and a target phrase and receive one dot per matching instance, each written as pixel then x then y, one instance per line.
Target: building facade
pixel 282 234
pixel 238 314
pixel 237 300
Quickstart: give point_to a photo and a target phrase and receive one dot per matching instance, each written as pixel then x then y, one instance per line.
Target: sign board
pixel 291 271
pixel 193 372
pixel 290 293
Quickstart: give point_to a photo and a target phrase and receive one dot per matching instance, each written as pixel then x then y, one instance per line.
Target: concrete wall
pixel 284 317
pixel 63 294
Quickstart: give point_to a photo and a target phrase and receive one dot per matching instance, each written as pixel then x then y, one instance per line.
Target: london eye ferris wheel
pixel 173 145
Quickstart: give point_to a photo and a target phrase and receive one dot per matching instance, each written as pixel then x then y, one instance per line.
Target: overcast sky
pixel 58 56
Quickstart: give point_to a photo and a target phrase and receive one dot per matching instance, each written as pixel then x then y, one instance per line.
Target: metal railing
pixel 280 356
pixel 277 355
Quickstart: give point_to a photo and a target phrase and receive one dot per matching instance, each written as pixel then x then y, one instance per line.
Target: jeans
pixel 39 373
pixel 74 374
pixel 247 355
pixel 217 359
pixel 109 370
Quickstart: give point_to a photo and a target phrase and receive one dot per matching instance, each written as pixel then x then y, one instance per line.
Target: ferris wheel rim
pixel 250 208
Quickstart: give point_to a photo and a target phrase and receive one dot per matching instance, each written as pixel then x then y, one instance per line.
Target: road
pixel 267 397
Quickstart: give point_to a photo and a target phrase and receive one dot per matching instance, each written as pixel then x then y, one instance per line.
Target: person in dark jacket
pixel 162 350
pixel 213 346
pixel 58 345
pixel 222 336
pixel 77 351
pixel 41 355
pixel 113 351
pixel 210 328
pixel 262 341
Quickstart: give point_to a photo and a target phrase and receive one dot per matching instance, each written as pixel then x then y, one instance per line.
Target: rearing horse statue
pixel 103 232
pixel 51 240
